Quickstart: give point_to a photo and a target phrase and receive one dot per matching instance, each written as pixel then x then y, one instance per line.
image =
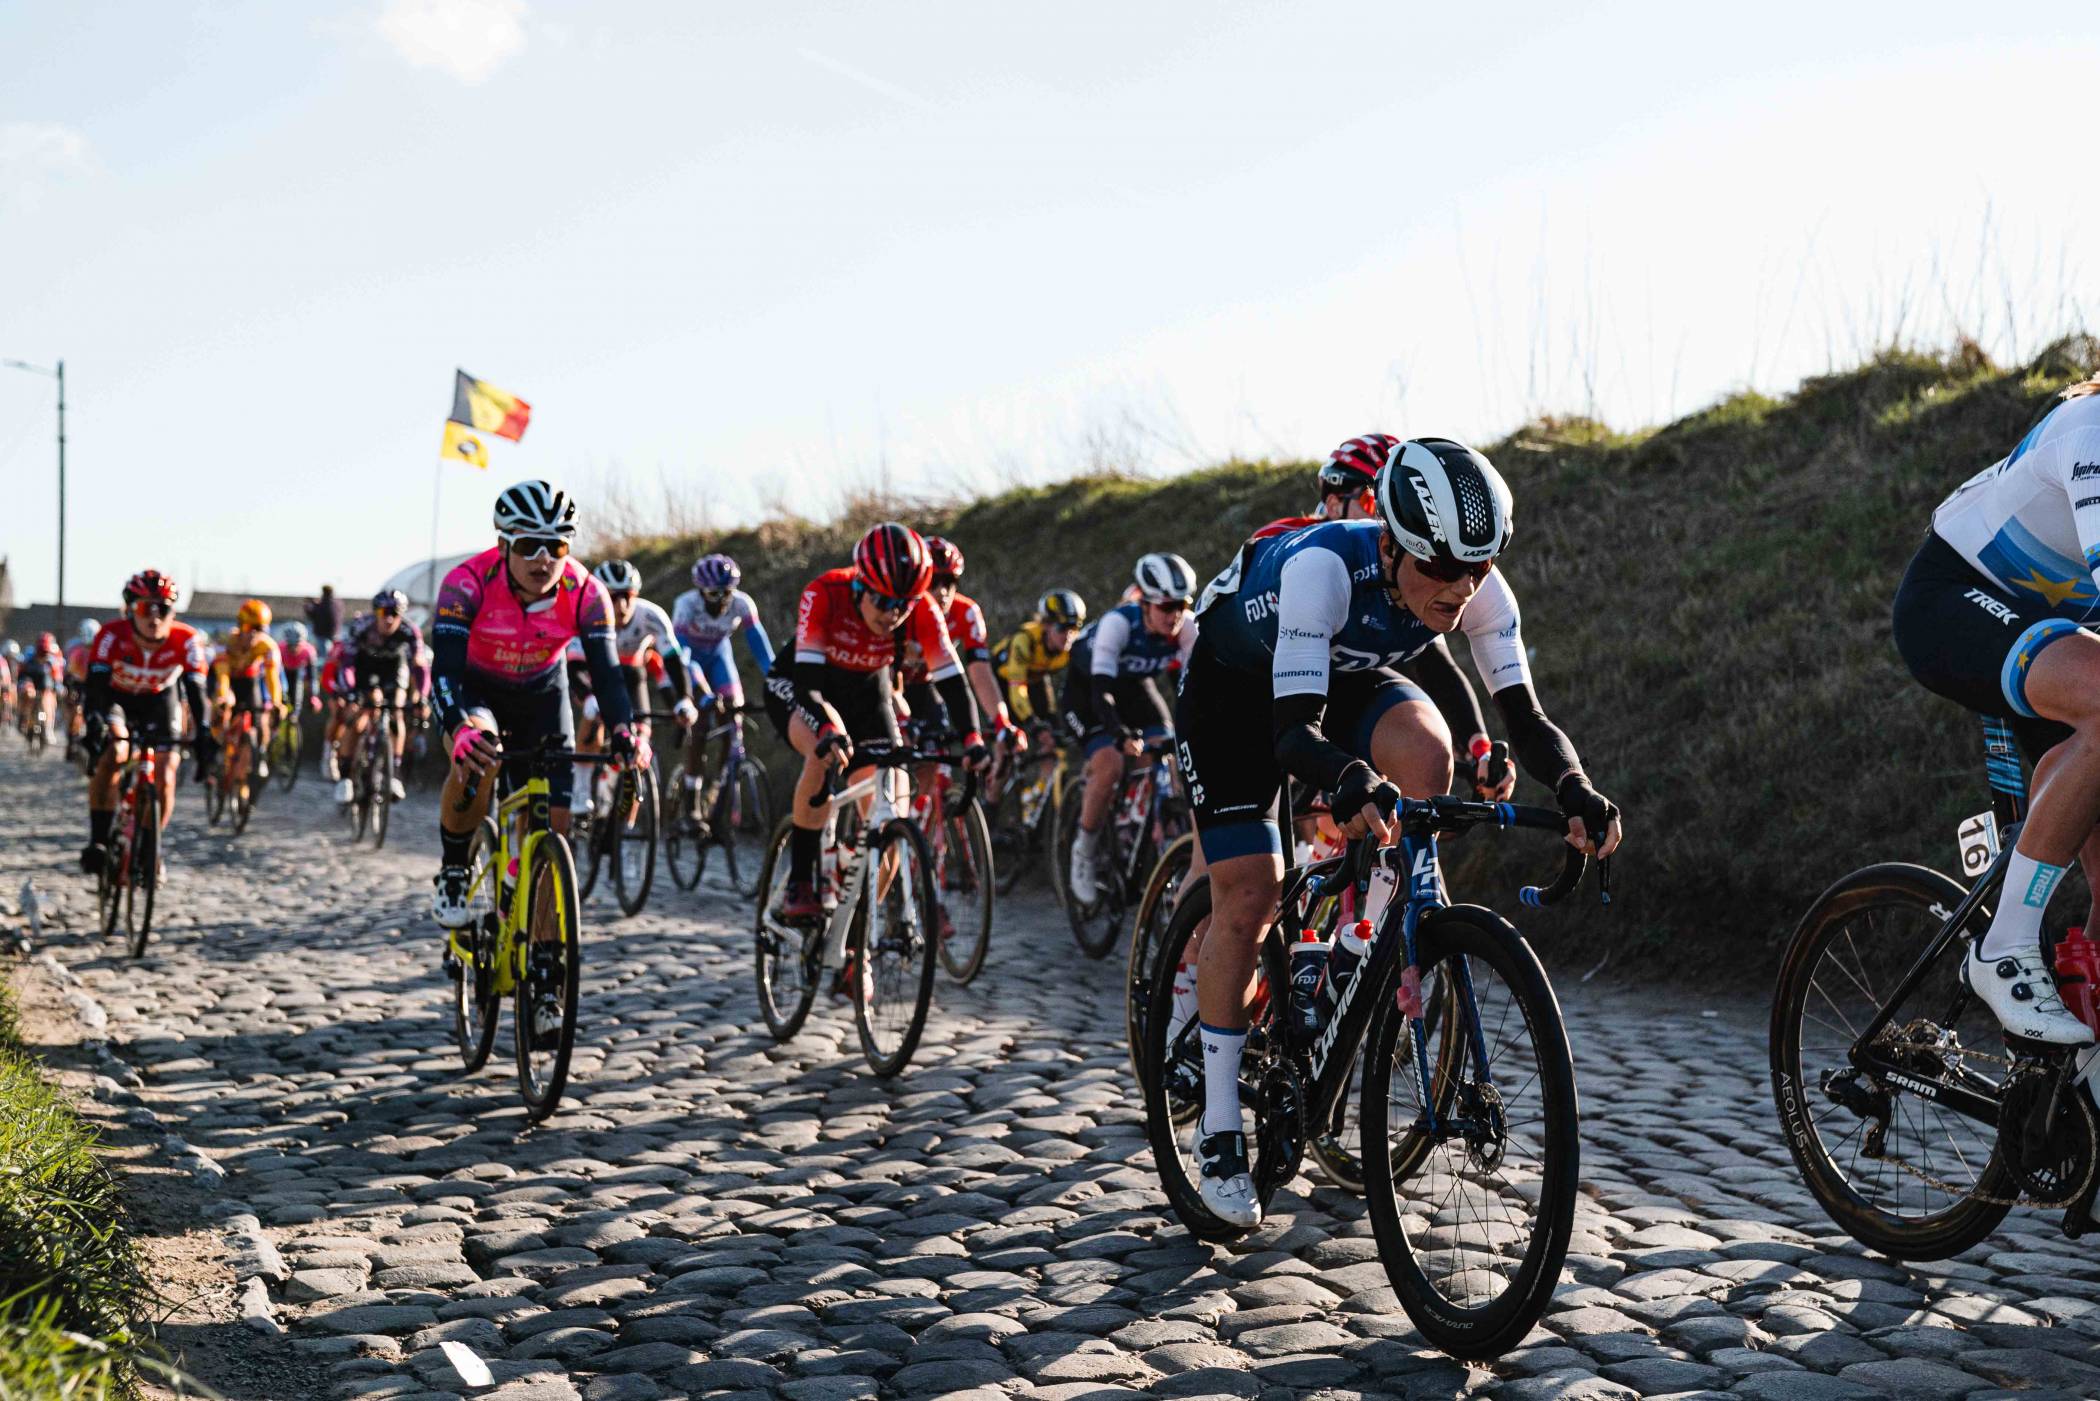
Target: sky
pixel 743 259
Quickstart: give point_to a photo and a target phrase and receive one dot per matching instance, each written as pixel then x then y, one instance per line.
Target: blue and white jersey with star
pixel 1312 602
pixel 2031 521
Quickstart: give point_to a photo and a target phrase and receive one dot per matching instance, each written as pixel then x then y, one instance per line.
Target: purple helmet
pixel 716 572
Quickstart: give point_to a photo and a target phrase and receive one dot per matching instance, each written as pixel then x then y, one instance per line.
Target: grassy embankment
pixel 1709 606
pixel 71 1291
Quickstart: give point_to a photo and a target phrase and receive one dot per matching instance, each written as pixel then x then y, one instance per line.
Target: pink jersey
pixel 507 641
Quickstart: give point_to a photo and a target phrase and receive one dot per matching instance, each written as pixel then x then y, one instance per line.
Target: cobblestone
pixel 712 1214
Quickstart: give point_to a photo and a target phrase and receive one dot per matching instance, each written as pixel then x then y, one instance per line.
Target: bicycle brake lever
pixel 1604 881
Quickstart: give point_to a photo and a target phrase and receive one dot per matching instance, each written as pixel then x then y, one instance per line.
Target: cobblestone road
pixel 716 1214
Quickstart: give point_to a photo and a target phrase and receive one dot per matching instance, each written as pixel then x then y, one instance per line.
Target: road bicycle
pixel 879 941
pixel 1026 795
pixel 1148 813
pixel 1467 1085
pixel 371 771
pixel 617 826
pixel 525 937
pixel 1914 1120
pixel 732 813
pixel 131 859
pixel 231 788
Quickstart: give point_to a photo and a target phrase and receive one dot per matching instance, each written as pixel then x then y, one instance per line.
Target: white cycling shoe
pixel 1085 879
pixel 1225 1185
pixel 448 904
pixel 345 790
pixel 2021 994
pixel 330 769
pixel 396 791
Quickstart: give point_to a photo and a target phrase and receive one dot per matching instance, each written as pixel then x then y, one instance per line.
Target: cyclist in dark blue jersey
pixel 1295 672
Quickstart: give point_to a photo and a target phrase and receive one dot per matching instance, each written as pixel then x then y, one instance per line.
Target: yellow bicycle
pixel 525 938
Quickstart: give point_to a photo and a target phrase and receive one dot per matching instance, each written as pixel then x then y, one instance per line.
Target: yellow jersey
pixel 252 653
pixel 1022 661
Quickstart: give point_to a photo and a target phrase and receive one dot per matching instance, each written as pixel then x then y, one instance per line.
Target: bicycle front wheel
pixel 243 798
pixel 788 955
pixel 964 877
pixel 143 878
pixel 1899 1172
pixel 890 963
pixel 382 770
pixel 634 844
pixel 475 1006
pixel 685 853
pixel 543 1019
pixel 1490 1164
pixel 1095 924
pixel 286 760
pixel 747 821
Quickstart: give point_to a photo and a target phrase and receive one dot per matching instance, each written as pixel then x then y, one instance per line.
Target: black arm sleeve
pixel 448 663
pixel 1302 750
pixel 680 674
pixel 962 706
pixel 193 695
pixel 807 680
pixel 1437 673
pixel 608 683
pixel 1102 691
pixel 101 696
pixel 1537 742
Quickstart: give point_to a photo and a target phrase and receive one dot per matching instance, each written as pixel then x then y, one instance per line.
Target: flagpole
pixel 437 487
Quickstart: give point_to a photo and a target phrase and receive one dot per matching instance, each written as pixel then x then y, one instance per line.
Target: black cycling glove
pixel 1578 799
pixel 1360 787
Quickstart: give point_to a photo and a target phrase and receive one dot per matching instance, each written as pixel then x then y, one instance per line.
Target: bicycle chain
pixel 2092 1162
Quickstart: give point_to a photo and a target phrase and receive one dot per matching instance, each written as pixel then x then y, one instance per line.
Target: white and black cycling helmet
pixel 1161 577
pixel 1442 500
pixel 619 576
pixel 535 509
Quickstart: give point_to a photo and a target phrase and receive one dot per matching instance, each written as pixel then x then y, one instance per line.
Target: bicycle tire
pixel 633 894
pixel 143 878
pixel 912 882
pixel 383 783
pixel 586 834
pixel 750 821
pixel 290 739
pixel 685 855
pixel 215 792
pixel 1015 844
pixel 1915 891
pixel 1476 940
pixel 967 854
pixel 551 860
pixel 1147 928
pixel 358 810
pixel 243 800
pixel 475 1006
pixel 1174 1101
pixel 116 861
pixel 781 947
pixel 1096 927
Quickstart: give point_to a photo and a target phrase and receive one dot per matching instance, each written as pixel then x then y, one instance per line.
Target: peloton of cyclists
pixel 1293 674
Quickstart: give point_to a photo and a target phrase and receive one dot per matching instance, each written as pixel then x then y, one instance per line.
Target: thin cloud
pixel 902 96
pixel 470 39
pixel 34 156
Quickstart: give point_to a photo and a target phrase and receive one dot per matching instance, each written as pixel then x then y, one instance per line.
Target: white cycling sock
pixel 2017 926
pixel 1221 1077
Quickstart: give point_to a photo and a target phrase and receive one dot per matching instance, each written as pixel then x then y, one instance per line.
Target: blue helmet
pixel 716 572
pixel 390 600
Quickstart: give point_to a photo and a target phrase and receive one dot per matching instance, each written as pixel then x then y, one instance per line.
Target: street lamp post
pixel 59 374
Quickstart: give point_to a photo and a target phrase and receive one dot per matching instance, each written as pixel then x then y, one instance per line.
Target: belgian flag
pixel 488 409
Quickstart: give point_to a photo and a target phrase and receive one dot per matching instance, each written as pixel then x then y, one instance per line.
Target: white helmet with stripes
pixel 535 509
pixel 1160 577
pixel 1442 500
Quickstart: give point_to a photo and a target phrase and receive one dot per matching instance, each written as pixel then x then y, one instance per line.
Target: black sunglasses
pixel 1172 605
pixel 888 603
pixel 1450 571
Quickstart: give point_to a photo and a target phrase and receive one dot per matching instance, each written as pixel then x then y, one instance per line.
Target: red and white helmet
pixel 1355 464
pixel 150 585
pixel 892 560
pixel 946 558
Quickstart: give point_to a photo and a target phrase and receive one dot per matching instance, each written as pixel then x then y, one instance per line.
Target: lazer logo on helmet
pixel 1429 515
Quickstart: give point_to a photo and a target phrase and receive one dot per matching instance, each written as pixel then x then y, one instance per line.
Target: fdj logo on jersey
pixel 1260 605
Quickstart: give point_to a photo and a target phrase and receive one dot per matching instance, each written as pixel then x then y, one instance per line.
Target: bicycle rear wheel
pixel 892 948
pixel 965 879
pixel 553 956
pixel 1172 1072
pixel 1147 929
pixel 1853 1133
pixel 788 955
pixel 634 844
pixel 143 877
pixel 475 1006
pixel 1475 1250
pixel 685 854
pixel 1095 926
